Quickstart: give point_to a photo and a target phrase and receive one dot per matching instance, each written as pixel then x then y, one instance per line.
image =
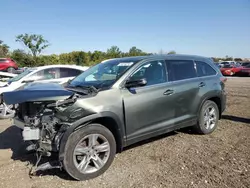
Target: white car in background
pixel 4 76
pixel 51 73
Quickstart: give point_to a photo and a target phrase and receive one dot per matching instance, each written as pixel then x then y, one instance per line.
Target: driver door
pixel 148 109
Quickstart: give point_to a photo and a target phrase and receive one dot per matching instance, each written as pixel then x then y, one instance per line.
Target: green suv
pixel 116 103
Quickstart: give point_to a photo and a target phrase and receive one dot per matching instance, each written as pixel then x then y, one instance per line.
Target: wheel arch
pixel 216 100
pixel 107 119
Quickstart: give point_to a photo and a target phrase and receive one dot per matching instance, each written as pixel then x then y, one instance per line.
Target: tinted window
pixel 3 60
pixel 224 63
pixel 203 69
pixel 245 64
pixel 180 69
pixel 67 72
pixel 154 72
pixel 228 66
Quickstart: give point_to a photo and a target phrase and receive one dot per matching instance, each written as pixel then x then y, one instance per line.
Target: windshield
pixel 20 76
pixel 103 75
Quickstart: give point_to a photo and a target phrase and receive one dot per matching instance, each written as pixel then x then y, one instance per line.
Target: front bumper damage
pixel 32 148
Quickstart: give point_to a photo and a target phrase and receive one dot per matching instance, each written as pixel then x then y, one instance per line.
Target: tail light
pixel 223 79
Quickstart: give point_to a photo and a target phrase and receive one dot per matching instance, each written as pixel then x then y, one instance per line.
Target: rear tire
pixel 11 70
pixel 208 118
pixel 85 160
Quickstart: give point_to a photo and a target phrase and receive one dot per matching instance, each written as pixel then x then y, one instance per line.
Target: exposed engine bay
pixel 44 125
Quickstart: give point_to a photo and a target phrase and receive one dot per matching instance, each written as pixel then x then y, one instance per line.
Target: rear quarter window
pixel 204 69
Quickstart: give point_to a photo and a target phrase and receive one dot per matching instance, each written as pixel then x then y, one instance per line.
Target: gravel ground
pixel 177 159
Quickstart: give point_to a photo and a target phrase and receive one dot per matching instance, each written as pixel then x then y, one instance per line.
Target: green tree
pixel 114 52
pixel 35 43
pixel 227 58
pixel 97 56
pixel 172 52
pixel 237 59
pixel 4 49
pixel 23 59
pixel 135 51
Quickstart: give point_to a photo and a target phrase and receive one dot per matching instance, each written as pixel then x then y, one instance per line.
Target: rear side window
pixel 3 60
pixel 203 69
pixel 180 70
pixel 68 72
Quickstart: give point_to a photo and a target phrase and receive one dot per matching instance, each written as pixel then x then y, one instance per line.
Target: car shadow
pixel 11 138
pixel 236 119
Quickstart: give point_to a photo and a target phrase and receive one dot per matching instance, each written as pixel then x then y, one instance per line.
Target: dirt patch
pixel 177 159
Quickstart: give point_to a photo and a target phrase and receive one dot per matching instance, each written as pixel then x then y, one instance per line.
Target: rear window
pixel 180 70
pixel 203 69
pixel 68 72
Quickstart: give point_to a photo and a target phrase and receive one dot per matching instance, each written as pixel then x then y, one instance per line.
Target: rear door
pixel 207 76
pixel 185 85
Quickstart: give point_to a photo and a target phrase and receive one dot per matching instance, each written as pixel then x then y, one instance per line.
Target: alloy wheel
pixel 210 117
pixel 6 111
pixel 91 153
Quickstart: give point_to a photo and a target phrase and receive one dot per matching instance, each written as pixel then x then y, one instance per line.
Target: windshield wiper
pixel 90 89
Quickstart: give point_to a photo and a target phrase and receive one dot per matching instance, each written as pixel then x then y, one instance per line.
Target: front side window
pixel 203 69
pixel 154 72
pixel 180 69
pixel 103 75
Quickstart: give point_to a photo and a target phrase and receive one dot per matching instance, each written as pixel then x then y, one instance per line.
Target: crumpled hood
pixel 37 92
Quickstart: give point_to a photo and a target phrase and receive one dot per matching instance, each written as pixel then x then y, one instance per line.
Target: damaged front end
pixel 44 115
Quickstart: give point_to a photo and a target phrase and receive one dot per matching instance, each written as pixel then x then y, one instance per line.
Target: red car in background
pixel 237 70
pixel 230 69
pixel 8 64
pixel 245 71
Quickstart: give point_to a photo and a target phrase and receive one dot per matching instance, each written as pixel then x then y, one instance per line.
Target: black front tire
pixel 72 142
pixel 200 127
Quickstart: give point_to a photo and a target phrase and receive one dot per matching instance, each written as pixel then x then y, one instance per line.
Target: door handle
pixel 202 84
pixel 168 92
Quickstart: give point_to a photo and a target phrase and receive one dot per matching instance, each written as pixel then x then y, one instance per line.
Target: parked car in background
pixel 20 70
pixel 244 71
pixel 230 69
pixel 4 77
pixel 8 64
pixel 226 63
pixel 50 73
pixel 245 64
pixel 114 104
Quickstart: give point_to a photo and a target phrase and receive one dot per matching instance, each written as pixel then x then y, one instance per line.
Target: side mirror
pixel 135 83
